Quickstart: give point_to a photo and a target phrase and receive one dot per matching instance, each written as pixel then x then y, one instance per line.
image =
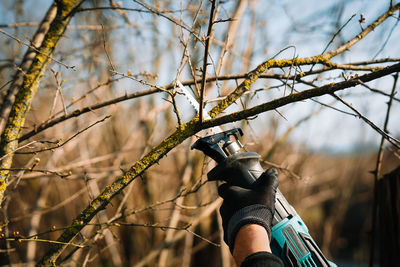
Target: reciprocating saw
pixel 290 239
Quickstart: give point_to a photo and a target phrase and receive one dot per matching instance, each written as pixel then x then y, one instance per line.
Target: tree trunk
pixel 389 218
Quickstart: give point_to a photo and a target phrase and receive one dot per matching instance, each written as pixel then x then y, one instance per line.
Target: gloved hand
pixel 243 206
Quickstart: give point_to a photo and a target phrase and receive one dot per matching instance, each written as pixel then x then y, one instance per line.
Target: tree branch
pixel 303 95
pixel 205 59
pixel 363 33
pixel 32 78
pixel 25 64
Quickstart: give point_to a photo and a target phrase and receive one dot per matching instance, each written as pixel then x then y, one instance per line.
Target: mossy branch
pixel 30 84
pixel 25 64
pixel 307 94
pixel 363 33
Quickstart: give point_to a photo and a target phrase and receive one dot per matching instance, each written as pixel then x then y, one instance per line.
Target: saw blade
pixel 181 89
pixel 191 99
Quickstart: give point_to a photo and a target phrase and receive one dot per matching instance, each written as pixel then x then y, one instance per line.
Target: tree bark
pixel 389 218
pixel 30 84
pixel 29 56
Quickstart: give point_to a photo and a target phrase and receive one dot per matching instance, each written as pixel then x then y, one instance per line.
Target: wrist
pixel 250 239
pixel 253 214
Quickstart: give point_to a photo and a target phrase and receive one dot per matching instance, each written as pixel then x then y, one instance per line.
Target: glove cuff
pixel 253 214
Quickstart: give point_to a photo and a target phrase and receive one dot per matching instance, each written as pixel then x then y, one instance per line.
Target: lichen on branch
pixel 30 84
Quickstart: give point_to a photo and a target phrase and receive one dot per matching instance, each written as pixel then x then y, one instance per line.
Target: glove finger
pixel 271 171
pixel 268 179
pixel 222 190
pixel 231 192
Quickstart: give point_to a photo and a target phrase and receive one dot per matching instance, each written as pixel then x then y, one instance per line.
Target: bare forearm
pixel 250 239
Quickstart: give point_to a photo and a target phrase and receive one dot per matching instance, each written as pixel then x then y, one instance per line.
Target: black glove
pixel 243 206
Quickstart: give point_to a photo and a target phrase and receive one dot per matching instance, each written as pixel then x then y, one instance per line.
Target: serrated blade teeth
pixel 188 96
pixel 196 106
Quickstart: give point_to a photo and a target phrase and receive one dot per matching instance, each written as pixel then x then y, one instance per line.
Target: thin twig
pixel 121 8
pixel 19 148
pixel 71 27
pixel 380 92
pixel 175 106
pixel 84 96
pixel 334 35
pixel 135 78
pixel 180 194
pixel 203 238
pixel 79 112
pixel 42 240
pixel 156 11
pixel 290 71
pixel 153 225
pixel 55 98
pixel 20 24
pixel 41 171
pixel 35 49
pixel 337 33
pixel 387 39
pixel 383 133
pixel 376 61
pixel 105 49
pixel 59 83
pixel 205 59
pixel 291 173
pixel 69 139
